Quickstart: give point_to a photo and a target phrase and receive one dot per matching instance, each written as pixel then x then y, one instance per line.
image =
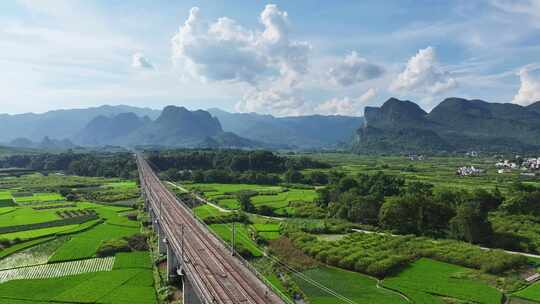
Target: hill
pixel 307 132
pixel 456 124
pixel 60 123
pixel 174 127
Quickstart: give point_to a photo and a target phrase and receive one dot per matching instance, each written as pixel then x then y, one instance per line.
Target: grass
pixel 530 293
pixel 85 244
pixel 39 198
pixel 27 215
pixel 117 286
pixel 126 260
pixel 276 197
pixel 6 199
pixel 359 288
pixel 37 233
pixel 428 278
pixel 204 211
pixel 242 236
pixel 23 245
pixel 268 231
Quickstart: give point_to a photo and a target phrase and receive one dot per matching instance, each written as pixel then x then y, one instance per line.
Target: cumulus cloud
pixel 274 100
pixel 529 90
pixel 225 51
pixel 140 62
pixel 423 74
pixel 346 106
pixel 354 69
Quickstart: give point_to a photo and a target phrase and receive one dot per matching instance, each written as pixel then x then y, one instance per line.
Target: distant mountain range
pixel 306 132
pixel 173 127
pixel 60 124
pixel 456 124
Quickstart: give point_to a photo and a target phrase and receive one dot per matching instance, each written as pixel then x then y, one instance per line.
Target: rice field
pixel 76 276
pixel 530 293
pixel 39 198
pixel 57 269
pixel 426 280
pixel 356 287
pixel 276 197
pixel 85 244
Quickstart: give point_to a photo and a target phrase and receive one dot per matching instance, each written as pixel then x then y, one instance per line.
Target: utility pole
pixel 233 238
pixel 182 242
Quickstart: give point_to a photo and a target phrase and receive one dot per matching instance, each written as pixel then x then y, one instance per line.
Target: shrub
pixel 111 247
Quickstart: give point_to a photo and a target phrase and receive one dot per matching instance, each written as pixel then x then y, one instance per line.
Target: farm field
pixel 427 281
pixel 437 170
pixel 276 197
pixel 356 287
pixel 58 260
pixel 531 293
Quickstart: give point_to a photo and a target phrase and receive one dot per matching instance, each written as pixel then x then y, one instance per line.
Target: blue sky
pixel 281 57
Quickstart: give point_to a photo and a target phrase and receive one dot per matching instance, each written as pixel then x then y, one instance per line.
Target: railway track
pixel 216 275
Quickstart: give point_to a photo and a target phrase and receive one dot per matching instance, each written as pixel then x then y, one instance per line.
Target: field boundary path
pixel 56 270
pixel 202 199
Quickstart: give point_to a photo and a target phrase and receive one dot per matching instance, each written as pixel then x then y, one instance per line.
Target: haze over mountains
pixel 455 124
pixel 175 127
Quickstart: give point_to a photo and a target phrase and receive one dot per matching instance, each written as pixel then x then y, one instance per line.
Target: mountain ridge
pixel 454 124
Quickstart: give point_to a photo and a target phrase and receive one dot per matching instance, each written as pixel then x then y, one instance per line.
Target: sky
pixel 282 57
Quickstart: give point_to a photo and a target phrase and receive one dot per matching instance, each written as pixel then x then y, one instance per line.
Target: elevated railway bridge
pixel 207 269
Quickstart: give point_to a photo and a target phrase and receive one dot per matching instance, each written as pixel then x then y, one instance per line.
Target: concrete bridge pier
pixel 162 240
pixel 172 264
pixel 188 293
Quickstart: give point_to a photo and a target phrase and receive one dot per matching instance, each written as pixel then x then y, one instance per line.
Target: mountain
pixel 104 130
pixel 60 123
pixel 456 124
pixel 534 106
pixel 45 144
pixel 174 127
pixel 313 131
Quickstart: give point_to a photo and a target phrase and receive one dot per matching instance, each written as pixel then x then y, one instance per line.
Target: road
pixel 216 275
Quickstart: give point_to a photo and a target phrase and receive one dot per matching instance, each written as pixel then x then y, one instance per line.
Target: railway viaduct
pixel 198 258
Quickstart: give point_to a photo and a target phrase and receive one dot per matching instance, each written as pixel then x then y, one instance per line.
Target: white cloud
pixel 529 90
pixel 526 7
pixel 346 106
pixel 423 74
pixel 140 62
pixel 354 69
pixel 274 101
pixel 226 51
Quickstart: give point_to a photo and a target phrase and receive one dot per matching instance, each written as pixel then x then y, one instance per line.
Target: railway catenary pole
pixel 233 238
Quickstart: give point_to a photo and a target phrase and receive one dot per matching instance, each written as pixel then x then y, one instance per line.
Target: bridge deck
pixel 217 276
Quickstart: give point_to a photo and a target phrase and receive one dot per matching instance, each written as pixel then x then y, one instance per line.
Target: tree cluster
pixel 412 208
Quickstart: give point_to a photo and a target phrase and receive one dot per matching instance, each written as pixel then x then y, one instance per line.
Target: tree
pixel 470 224
pixel 318 178
pixel 294 176
pixel 245 202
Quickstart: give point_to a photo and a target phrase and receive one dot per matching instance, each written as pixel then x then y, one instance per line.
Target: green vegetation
pixel 381 255
pixel 530 293
pixel 86 244
pixel 359 288
pixel 426 281
pixel 122 286
pixel 244 245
